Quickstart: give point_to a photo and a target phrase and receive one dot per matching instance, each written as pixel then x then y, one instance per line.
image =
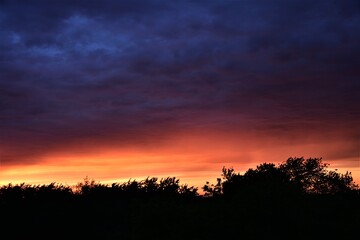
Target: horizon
pixel 199 183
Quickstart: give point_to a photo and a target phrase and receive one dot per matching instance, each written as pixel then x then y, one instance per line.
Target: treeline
pixel 89 188
pixel 294 176
pixel 298 196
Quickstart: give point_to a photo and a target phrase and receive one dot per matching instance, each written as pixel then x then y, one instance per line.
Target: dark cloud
pixel 126 71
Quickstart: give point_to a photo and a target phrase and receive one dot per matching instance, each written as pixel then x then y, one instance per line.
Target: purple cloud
pixel 71 71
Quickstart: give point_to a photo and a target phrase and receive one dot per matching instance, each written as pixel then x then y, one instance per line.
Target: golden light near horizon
pixel 193 159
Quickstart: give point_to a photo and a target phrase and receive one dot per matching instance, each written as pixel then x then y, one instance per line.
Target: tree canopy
pixel 294 176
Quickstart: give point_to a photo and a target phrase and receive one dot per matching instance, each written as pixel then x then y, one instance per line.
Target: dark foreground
pixel 182 218
pixel 299 199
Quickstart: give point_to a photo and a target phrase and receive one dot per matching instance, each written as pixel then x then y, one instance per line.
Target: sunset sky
pixel 115 90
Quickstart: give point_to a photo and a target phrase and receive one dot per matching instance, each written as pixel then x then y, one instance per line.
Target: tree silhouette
pixel 213 190
pixel 294 176
pixel 314 177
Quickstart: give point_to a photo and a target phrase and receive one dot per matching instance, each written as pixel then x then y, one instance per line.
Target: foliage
pixel 22 192
pixel 294 176
pixel 169 186
pixel 314 177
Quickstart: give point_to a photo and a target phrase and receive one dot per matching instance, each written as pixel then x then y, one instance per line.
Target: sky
pixel 115 90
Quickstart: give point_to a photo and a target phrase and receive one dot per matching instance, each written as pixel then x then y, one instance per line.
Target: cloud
pixel 123 72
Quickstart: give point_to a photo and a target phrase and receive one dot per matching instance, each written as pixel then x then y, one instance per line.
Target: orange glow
pixel 194 158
